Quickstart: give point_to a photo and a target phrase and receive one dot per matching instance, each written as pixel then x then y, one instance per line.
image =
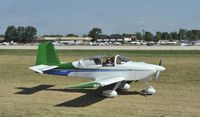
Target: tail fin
pixel 46 54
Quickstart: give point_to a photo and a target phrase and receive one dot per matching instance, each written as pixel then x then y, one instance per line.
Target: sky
pixel 112 16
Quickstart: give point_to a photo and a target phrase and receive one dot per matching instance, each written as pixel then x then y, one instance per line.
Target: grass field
pixel 24 93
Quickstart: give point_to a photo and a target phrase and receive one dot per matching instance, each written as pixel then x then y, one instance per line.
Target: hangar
pixel 66 39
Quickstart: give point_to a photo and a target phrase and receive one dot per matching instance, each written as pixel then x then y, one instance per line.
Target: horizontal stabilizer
pixel 42 68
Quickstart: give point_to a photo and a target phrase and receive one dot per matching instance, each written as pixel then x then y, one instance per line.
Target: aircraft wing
pixel 100 83
pixel 42 68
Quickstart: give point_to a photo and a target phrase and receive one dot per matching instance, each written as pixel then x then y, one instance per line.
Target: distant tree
pixel 85 35
pixel 72 35
pixel 126 35
pixel 164 35
pixel 192 35
pixel 94 33
pixel 30 33
pixel 174 35
pixel 21 34
pixel 139 35
pixel 169 37
pixel 198 34
pixel 148 36
pixel 182 34
pixel 158 36
pixel 1 35
pixel 115 36
pixel 11 33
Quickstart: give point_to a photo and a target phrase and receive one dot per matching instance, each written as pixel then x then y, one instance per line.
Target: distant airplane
pixel 5 43
pixel 116 72
pixel 186 44
pixel 9 43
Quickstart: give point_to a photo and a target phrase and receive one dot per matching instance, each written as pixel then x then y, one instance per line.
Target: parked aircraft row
pixel 137 42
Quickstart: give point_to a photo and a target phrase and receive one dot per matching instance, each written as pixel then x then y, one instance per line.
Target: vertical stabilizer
pixel 47 55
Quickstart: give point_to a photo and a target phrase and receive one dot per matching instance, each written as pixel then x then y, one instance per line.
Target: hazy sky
pixel 113 16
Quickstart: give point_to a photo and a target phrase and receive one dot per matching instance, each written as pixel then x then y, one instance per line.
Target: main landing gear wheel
pixel 111 93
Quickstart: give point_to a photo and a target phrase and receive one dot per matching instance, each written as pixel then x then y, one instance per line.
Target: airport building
pixel 121 39
pixel 84 39
pixel 66 39
pixel 1 39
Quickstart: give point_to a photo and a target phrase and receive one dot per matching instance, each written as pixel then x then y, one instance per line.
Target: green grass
pixel 128 53
pixel 177 90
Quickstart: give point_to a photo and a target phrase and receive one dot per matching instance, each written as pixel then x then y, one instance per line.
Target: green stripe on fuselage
pixel 66 66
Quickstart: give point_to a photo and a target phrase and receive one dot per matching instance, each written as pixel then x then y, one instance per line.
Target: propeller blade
pixel 160 63
pixel 157 75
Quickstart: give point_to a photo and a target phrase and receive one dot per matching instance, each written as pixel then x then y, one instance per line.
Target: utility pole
pixel 186 34
pixel 143 33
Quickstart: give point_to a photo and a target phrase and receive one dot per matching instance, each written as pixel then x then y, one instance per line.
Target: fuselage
pixel 129 70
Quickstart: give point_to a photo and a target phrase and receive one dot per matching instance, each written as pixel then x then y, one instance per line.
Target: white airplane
pixel 116 72
pixel 9 43
pixel 5 43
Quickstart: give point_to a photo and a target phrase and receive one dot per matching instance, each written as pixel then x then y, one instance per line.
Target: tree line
pixel 28 34
pixel 20 34
pixel 182 34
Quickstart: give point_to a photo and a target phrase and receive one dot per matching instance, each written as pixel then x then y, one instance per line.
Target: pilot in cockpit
pixel 110 61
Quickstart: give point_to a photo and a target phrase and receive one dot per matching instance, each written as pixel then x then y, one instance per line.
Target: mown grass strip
pixel 128 53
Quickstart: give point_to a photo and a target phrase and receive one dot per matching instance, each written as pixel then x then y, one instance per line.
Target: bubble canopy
pixel 105 60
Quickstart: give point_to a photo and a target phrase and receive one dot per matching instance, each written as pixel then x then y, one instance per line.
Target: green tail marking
pixel 47 55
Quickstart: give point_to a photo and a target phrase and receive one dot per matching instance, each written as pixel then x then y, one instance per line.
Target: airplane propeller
pixel 157 75
pixel 158 72
pixel 160 63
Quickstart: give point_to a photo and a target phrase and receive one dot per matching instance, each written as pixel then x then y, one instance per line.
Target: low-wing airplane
pixel 116 71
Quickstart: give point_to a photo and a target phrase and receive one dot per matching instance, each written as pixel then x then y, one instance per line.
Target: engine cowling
pixel 150 90
pixel 109 93
pixel 125 87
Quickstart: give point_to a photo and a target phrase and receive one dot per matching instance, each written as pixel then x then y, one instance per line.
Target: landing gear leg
pixel 124 86
pixel 111 93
